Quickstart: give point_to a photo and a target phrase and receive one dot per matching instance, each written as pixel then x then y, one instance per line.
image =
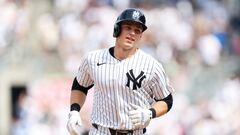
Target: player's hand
pixel 140 117
pixel 74 121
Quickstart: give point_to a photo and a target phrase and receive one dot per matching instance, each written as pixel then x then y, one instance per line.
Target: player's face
pixel 131 33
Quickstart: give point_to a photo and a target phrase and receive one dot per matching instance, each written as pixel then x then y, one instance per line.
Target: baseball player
pixel 131 87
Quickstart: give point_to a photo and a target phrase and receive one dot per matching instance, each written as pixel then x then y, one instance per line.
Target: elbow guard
pixel 77 86
pixel 168 100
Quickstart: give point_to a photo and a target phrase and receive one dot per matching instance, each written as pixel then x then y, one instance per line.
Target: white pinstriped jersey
pixel 138 79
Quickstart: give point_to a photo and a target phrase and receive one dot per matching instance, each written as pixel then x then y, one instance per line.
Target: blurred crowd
pixel 198 42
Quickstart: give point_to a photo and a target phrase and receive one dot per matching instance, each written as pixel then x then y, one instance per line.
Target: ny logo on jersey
pixel 137 82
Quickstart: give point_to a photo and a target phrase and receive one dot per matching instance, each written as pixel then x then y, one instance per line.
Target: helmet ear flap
pixel 116 30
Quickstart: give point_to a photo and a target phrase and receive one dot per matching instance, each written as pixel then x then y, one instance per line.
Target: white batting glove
pixel 74 121
pixel 140 117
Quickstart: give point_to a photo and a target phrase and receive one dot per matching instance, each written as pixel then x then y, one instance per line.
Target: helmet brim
pixel 130 20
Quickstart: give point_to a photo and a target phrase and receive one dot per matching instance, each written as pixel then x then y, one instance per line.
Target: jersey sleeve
pixel 160 83
pixel 83 76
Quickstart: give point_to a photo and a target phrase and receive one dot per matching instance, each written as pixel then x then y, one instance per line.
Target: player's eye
pixel 126 27
pixel 137 31
pixel 129 28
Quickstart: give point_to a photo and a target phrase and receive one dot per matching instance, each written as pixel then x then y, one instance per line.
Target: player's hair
pixel 130 14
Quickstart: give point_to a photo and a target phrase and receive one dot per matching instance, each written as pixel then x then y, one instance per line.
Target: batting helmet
pixel 130 14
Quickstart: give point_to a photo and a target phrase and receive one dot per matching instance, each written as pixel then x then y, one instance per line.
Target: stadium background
pixel 42 41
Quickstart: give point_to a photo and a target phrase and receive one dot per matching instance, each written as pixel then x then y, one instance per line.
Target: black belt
pixel 119 132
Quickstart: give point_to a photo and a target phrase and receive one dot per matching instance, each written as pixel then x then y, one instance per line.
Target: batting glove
pixel 74 121
pixel 140 117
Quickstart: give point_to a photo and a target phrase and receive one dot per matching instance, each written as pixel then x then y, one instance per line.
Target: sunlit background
pixel 42 41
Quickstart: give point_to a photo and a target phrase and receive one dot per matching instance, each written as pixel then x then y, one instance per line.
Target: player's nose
pixel 132 32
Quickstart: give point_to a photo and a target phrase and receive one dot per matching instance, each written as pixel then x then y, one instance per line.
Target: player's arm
pixel 78 95
pixel 162 92
pixel 162 106
pixel 77 99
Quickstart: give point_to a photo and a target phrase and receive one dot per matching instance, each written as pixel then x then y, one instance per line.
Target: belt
pixel 119 132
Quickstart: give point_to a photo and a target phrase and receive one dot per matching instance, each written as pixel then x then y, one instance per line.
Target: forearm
pixel 160 108
pixel 77 97
pixel 76 100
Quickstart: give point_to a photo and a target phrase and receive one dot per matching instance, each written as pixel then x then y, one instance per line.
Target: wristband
pixel 75 107
pixel 153 112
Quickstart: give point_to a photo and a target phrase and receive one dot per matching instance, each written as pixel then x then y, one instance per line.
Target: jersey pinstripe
pixel 138 79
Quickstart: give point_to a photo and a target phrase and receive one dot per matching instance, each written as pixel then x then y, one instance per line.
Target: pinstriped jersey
pixel 139 80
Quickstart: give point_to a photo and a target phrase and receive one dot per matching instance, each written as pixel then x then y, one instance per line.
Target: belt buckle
pixel 121 132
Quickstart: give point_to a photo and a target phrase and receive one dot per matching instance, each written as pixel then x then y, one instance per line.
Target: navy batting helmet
pixel 130 14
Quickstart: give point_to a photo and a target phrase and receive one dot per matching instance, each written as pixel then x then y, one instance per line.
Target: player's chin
pixel 129 45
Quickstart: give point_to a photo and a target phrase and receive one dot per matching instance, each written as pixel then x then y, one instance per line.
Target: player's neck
pixel 121 53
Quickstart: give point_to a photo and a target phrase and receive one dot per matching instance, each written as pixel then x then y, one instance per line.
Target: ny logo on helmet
pixel 135 15
pixel 137 82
